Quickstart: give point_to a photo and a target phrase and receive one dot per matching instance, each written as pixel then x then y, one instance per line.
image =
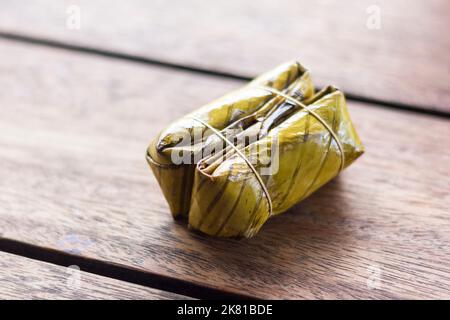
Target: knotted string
pixel 297 103
pixel 220 135
pixel 315 115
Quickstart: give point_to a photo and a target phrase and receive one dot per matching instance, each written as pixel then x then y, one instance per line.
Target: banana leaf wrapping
pixel 283 142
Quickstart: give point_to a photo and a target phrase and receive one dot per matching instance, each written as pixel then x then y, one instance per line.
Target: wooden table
pixel 79 106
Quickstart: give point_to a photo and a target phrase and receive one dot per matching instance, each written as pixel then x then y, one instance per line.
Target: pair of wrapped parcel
pixel 254 153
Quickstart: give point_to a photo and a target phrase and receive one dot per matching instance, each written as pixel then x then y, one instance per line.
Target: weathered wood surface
pixel 23 278
pixel 74 134
pixel 404 61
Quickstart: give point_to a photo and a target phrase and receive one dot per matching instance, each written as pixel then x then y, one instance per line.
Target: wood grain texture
pixel 74 177
pixel 405 61
pixel 23 278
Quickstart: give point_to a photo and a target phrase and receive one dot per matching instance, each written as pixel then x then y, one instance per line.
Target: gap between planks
pixel 412 276
pixel 116 271
pixel 99 267
pixel 209 72
pixel 27 279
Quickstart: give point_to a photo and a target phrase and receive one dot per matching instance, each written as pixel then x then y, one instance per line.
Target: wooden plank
pixel 74 134
pixel 23 278
pixel 404 61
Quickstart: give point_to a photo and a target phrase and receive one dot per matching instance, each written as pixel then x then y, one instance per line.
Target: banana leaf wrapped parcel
pixel 254 153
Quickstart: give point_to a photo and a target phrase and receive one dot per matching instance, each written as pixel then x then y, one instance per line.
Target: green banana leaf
pixel 291 152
